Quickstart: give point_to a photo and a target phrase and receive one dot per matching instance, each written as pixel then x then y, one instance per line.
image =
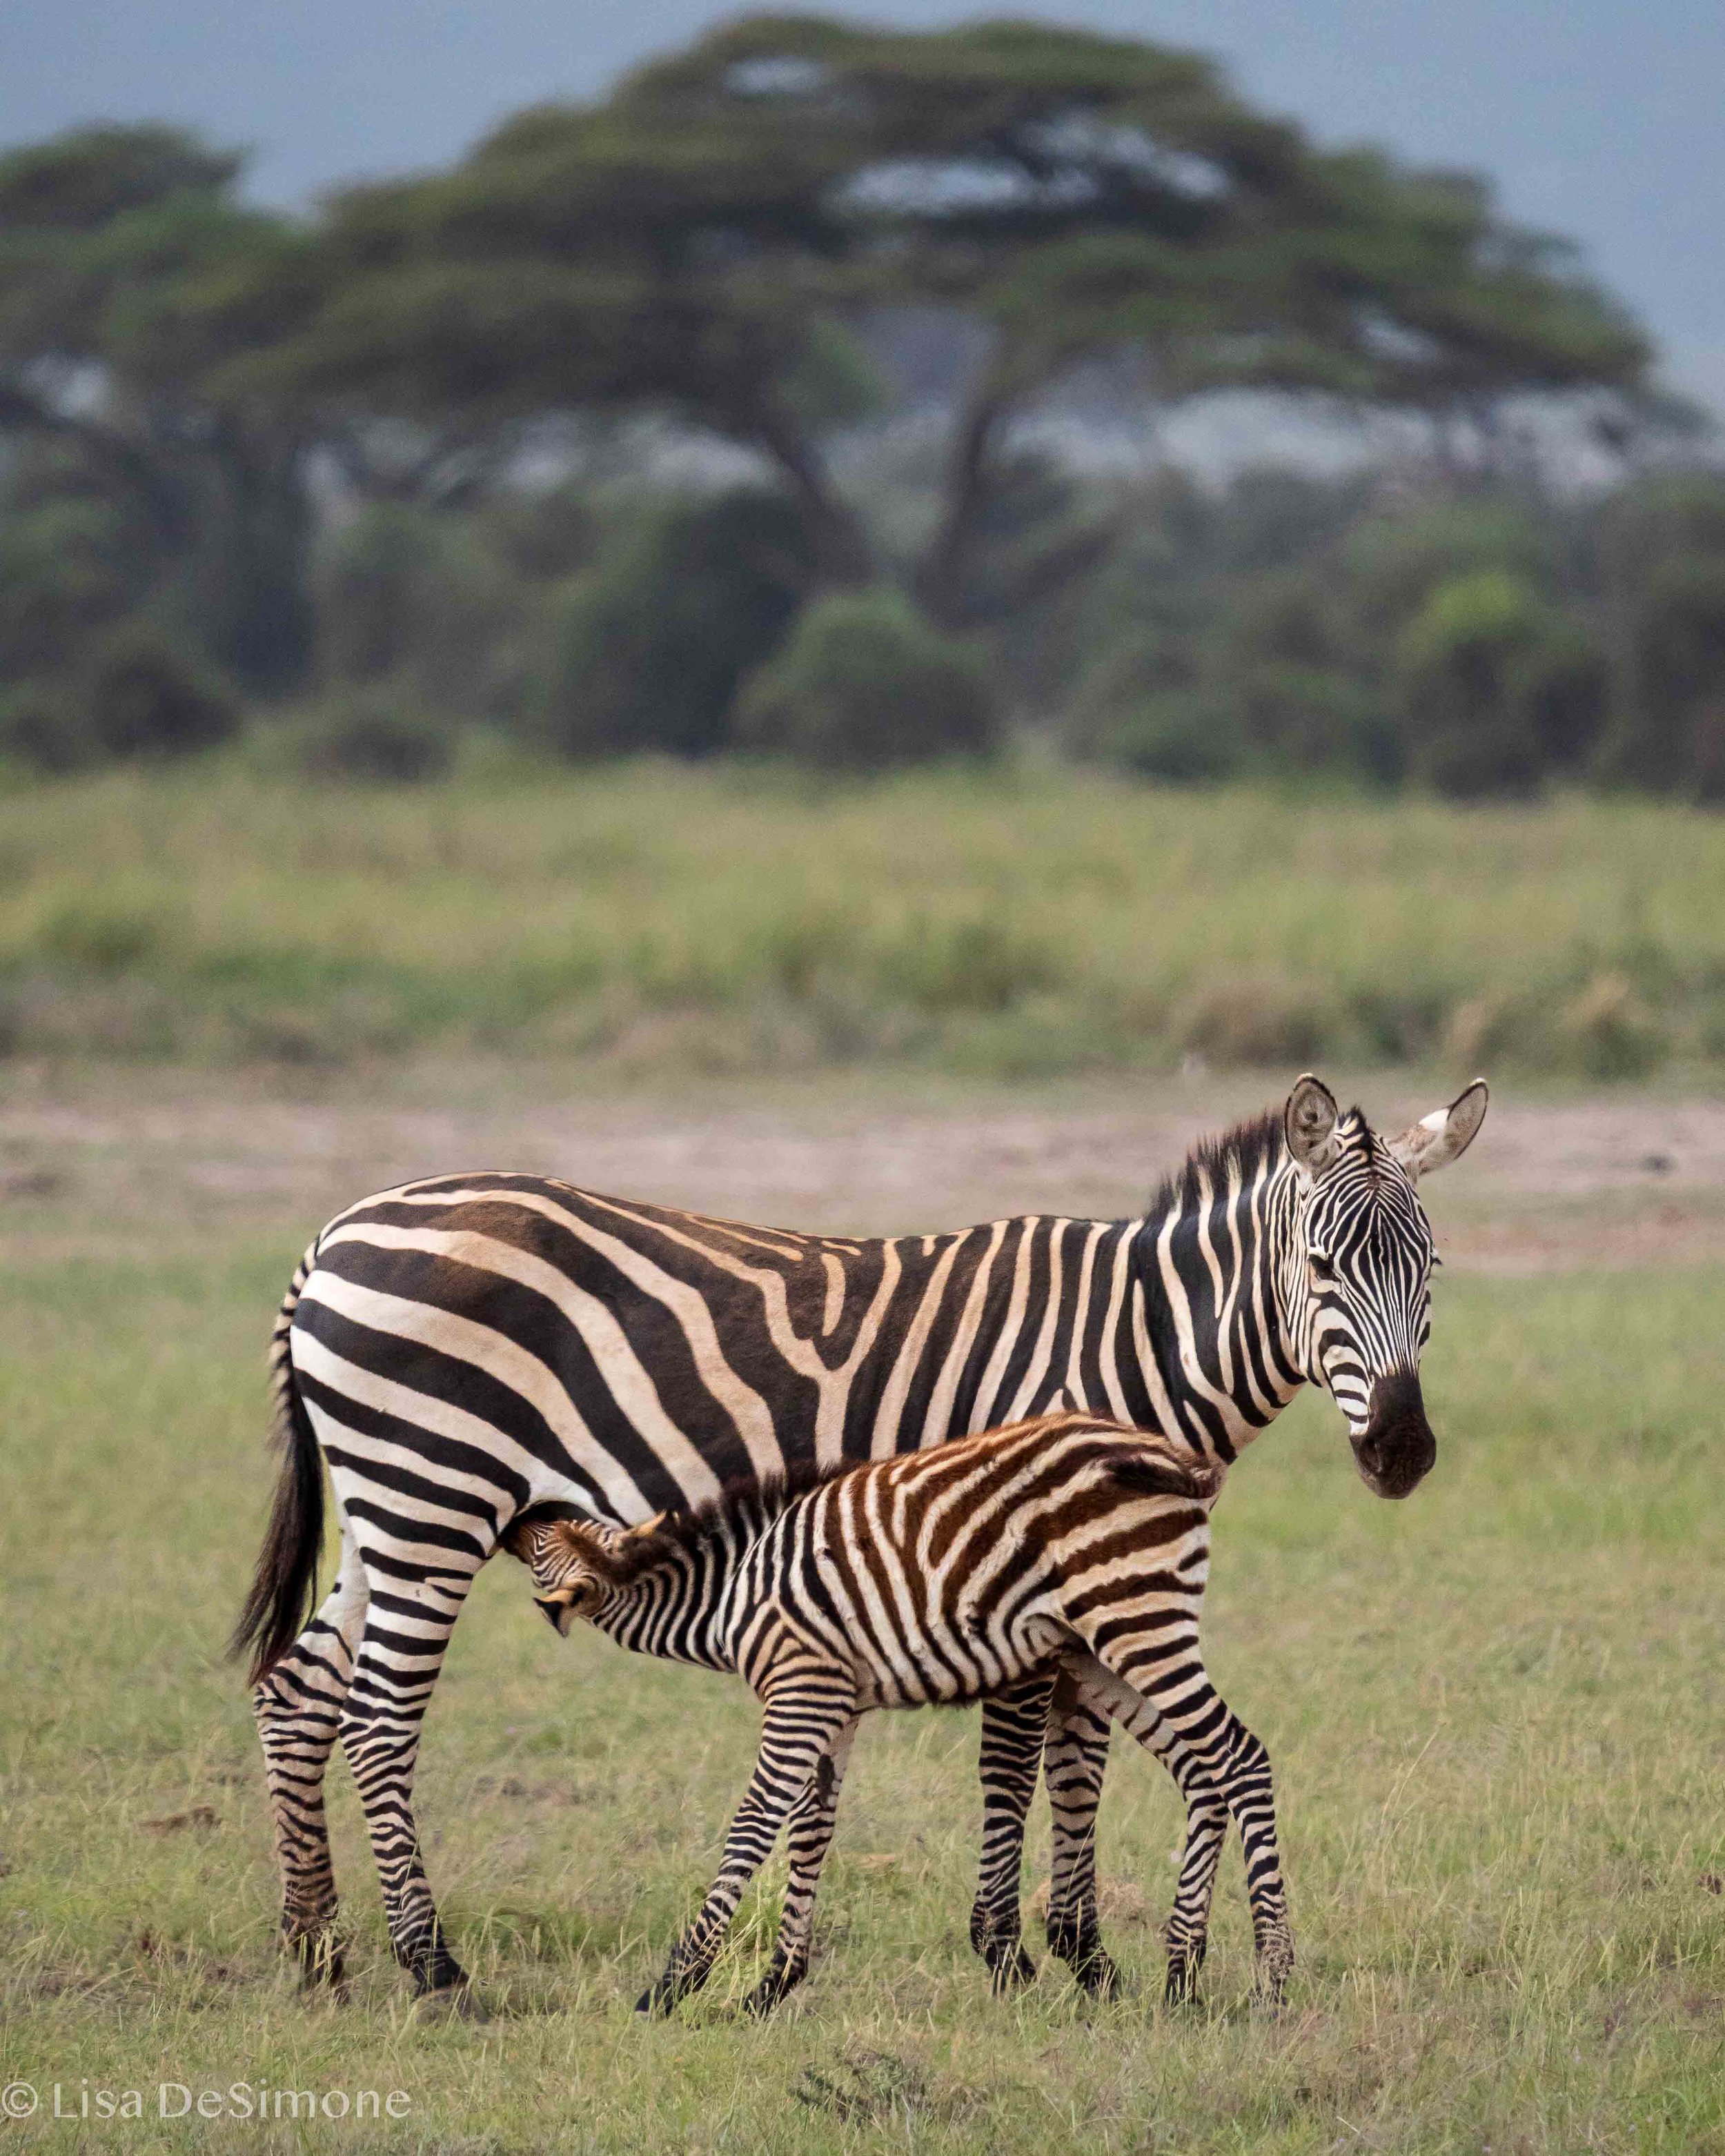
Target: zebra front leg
pixel 1013 1721
pixel 809 1833
pixel 802 1724
pixel 406 1628
pixel 1074 1759
pixel 297 1707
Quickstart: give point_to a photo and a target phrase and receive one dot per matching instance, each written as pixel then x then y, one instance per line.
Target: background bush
pixel 864 684
pixel 145 694
pixel 1372 632
pixel 686 596
pixel 369 738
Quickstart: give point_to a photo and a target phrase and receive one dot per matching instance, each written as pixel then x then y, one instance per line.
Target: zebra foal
pixel 937 1577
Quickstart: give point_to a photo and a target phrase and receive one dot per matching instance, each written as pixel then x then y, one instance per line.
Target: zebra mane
pixel 1254 1144
pixel 1259 1142
pixel 737 1503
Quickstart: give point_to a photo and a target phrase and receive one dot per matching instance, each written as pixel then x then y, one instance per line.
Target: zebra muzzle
pixel 559 1611
pixel 1396 1449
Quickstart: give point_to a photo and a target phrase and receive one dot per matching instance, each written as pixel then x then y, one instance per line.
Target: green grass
pixel 1027 922
pixel 1495 1714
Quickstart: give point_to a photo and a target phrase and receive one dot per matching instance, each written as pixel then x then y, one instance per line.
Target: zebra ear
pixel 581 1552
pixel 1310 1120
pixel 1443 1136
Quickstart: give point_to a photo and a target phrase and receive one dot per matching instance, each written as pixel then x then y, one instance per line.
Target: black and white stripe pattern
pixel 939 1576
pixel 466 1348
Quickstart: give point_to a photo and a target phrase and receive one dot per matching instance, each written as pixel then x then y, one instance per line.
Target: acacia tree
pixel 698 244
pixel 104 362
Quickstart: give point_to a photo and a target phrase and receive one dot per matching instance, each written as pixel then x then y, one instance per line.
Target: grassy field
pixel 1026 923
pixel 1494 1713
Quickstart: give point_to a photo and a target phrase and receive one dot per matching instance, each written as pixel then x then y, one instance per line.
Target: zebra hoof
pixel 774 1986
pixel 1182 1987
pixel 1011 1972
pixel 1094 1969
pixel 1099 1974
pixel 455 2002
pixel 322 1967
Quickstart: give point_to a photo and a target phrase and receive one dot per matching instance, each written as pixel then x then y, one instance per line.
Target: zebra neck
pixel 1209 1334
pixel 680 1607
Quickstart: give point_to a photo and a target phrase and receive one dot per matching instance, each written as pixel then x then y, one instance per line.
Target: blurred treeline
pixel 803 400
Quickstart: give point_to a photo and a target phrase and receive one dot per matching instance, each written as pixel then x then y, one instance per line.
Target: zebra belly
pixel 950 1669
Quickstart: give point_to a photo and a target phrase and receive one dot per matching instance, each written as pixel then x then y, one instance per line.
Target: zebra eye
pixel 1321 1269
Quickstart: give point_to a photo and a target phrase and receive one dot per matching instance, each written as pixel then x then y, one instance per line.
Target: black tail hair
pixel 1157 1475
pixel 284 1588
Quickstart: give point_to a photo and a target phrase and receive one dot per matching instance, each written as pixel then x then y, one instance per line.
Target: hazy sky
pixel 1600 119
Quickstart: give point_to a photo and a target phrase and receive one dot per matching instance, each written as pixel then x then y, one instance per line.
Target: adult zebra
pixel 462 1349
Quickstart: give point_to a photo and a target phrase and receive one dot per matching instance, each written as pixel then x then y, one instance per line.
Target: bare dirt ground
pixel 105 1161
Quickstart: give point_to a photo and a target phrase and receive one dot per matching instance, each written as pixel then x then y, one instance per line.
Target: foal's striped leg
pixel 1157 1687
pixel 809 1834
pixel 1013 1723
pixel 807 1709
pixel 1187 1930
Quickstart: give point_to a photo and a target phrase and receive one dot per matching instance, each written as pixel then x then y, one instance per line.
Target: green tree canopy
pixel 105 234
pixel 695 244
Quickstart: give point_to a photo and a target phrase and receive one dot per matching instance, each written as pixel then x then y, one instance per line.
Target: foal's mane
pixel 688 1529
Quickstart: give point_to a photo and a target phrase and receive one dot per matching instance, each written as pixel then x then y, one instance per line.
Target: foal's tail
pixel 284 1585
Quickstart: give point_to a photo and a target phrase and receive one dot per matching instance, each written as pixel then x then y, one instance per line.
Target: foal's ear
pixel 1443 1136
pixel 1309 1121
pixel 578 1556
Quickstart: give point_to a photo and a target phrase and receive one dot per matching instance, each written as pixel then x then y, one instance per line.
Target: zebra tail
pixel 285 1586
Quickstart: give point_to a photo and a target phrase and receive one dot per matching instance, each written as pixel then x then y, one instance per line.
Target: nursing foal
pixel 1066 1543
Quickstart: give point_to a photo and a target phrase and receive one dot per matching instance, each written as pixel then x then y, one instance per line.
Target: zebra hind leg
pixel 802 1723
pixel 1189 1923
pixel 1251 1799
pixel 1013 1721
pixel 809 1834
pixel 1187 1930
pixel 1222 1769
pixel 406 1628
pixel 1235 1780
pixel 297 1707
pixel 1075 1756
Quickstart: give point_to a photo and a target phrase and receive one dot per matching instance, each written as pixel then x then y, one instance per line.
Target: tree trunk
pixel 128 464
pixel 940 573
pixel 844 556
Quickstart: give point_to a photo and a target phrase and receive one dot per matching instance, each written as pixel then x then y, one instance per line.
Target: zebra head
pixel 575 1564
pixel 1356 1284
